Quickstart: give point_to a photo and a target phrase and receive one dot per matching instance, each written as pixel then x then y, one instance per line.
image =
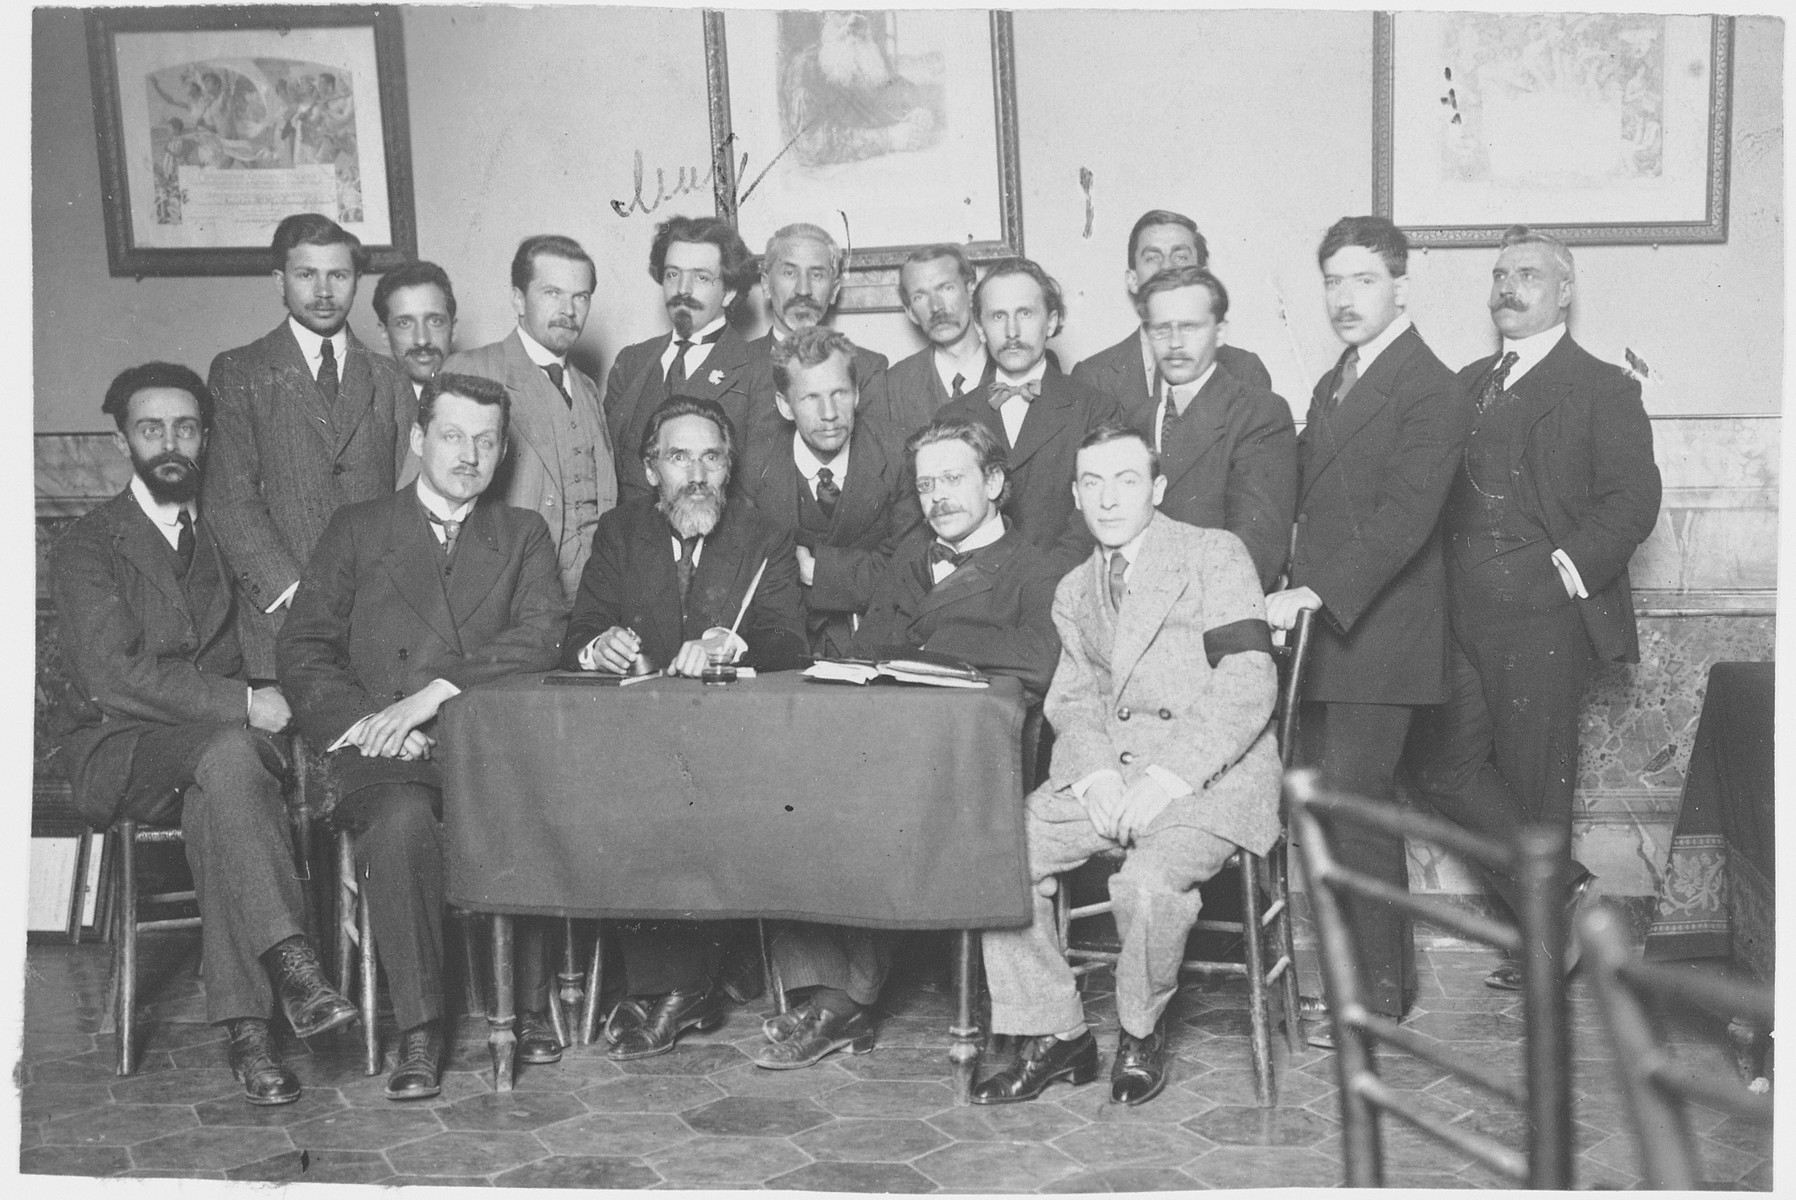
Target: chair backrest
pixel 1654 1090
pixel 1539 857
pixel 1292 659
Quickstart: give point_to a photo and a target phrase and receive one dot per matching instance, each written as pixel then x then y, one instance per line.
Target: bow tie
pixel 940 552
pixel 1002 392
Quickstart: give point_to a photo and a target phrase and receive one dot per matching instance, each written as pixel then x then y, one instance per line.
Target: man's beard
pixel 694 510
pixel 681 310
pixel 849 58
pixel 169 491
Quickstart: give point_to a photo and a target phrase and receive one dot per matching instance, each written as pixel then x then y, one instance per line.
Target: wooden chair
pixel 1654 1091
pixel 1539 855
pixel 128 835
pixel 1265 905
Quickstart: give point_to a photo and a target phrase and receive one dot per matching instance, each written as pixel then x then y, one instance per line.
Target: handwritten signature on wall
pixel 686 181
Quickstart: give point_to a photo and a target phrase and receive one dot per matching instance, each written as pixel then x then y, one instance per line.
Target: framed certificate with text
pixel 215 123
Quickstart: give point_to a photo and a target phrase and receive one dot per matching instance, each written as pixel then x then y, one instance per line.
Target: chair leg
pixel 963 1052
pixel 558 1016
pixel 1278 871
pixel 370 980
pixel 125 949
pixel 1264 1087
pixel 346 911
pixel 775 985
pixel 595 978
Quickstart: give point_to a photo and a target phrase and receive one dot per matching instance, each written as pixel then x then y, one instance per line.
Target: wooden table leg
pixel 963 1052
pixel 569 987
pixel 502 1021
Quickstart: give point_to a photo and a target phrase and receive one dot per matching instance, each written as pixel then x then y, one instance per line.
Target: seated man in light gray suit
pixel 1164 749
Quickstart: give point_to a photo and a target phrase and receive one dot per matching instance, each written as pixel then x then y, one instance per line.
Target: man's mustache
pixel 942 318
pixel 169 458
pixel 684 301
pixel 1513 303
pixel 801 304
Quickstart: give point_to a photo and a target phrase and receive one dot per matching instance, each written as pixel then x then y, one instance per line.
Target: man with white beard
pixel 844 102
pixel 662 587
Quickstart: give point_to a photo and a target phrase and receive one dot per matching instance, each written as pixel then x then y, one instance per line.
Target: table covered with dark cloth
pixel 881 806
pixel 1718 895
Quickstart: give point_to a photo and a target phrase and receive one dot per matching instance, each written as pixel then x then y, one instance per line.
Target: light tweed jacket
pixel 1185 682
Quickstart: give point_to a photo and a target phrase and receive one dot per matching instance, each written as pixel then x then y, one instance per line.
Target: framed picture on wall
pixel 1605 128
pixel 890 129
pixel 214 123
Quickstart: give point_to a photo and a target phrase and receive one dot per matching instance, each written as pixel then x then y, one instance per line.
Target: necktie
pixel 1348 374
pixel 556 373
pixel 1119 583
pixel 1493 387
pixel 327 370
pixel 1002 392
pixel 1169 420
pixel 451 530
pixel 828 492
pixel 184 543
pixel 676 370
pixel 959 386
pixel 683 569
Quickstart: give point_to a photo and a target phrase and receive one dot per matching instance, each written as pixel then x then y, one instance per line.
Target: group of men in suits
pixel 378 534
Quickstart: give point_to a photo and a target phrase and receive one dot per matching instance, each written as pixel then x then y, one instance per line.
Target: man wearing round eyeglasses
pixel 1228 448
pixel 703 268
pixel 661 591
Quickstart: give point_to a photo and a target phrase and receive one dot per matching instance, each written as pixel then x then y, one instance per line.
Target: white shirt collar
pixel 432 502
pixel 1036 372
pixel 809 464
pixel 1189 391
pixel 947 367
pixel 311 345
pixel 166 515
pixel 695 353
pixel 1378 345
pixel 985 535
pixel 539 354
pixel 1530 350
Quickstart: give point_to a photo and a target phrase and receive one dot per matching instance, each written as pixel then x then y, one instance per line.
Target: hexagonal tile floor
pixel 704 1117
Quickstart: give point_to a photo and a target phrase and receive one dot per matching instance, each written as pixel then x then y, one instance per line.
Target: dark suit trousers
pixel 399 855
pixel 1503 751
pixel 847 959
pixel 239 846
pixel 1357 747
pixel 668 956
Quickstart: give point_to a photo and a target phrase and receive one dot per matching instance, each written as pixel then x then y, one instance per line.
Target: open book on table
pixel 904 666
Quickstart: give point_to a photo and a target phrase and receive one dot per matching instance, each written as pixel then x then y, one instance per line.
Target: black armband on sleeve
pixel 1236 638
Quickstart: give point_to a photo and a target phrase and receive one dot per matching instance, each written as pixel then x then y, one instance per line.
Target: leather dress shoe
pixel 311 1004
pixel 418 1074
pixel 627 1013
pixel 672 1015
pixel 1508 976
pixel 537 1042
pixel 1318 1024
pixel 815 1033
pixel 1139 1072
pixel 1042 1061
pixel 257 1067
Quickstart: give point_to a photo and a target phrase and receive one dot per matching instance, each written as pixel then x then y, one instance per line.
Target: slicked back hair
pixel 1115 431
pixel 804 231
pixel 132 380
pixel 315 229
pixel 412 274
pixel 988 451
pixel 477 388
pixel 1523 235
pixel 1376 234
pixel 1163 216
pixel 737 263
pixel 1050 290
pixel 926 254
pixel 687 406
pixel 523 263
pixel 810 347
pixel 1174 278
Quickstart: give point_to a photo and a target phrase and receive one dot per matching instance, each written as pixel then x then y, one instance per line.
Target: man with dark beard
pixel 703 268
pixel 162 727
pixel 661 589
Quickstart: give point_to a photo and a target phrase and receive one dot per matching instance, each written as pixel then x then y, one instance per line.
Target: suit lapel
pixel 410 560
pixel 1154 586
pixel 1201 429
pixel 777 489
pixel 355 392
pixel 532 397
pixel 721 578
pixel 1134 387
pixel 660 582
pixel 1336 426
pixel 1046 420
pixel 210 621
pixel 292 381
pixel 1538 393
pixel 861 491
pixel 144 548
pixel 722 369
pixel 973 578
pixel 479 559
